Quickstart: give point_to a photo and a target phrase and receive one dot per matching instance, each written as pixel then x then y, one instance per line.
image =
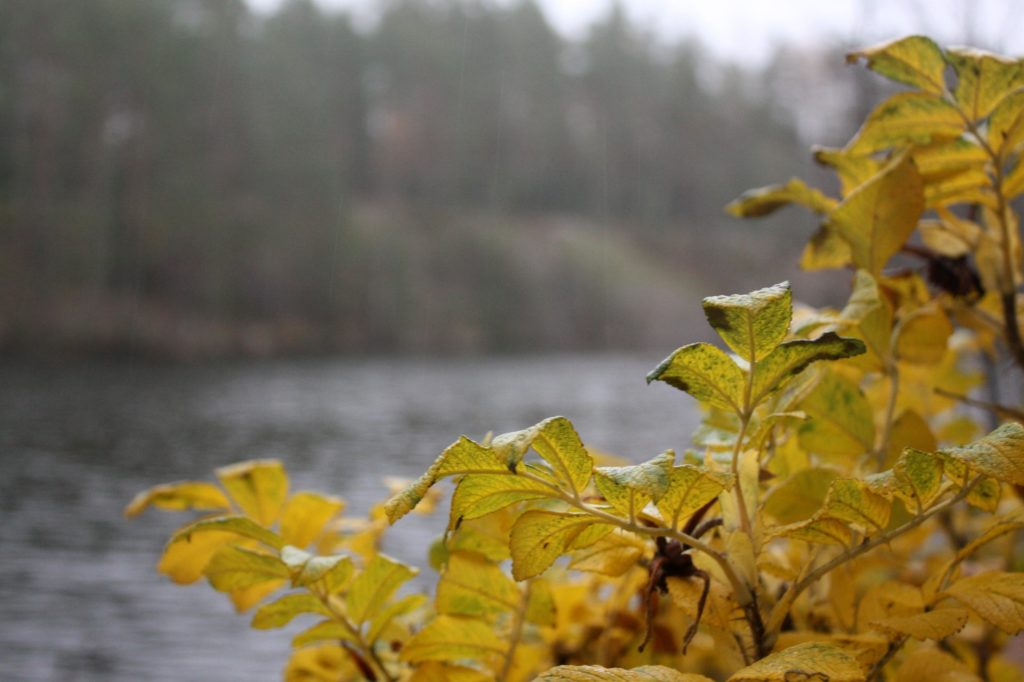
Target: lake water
pixel 79 597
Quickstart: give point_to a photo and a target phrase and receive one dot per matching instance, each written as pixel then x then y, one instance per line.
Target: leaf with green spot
pixel 907 118
pixel 258 487
pixel 817 530
pixel 1000 454
pixel 915 60
pixel 983 80
pixel 877 218
pixel 766 200
pixel 841 419
pixel 280 612
pixel 690 488
pixel 234 568
pixel 374 586
pixel 752 324
pixel 450 638
pixel 792 357
pixel 853 501
pixel 920 478
pixel 461 457
pixel 473 586
pixel 481 494
pixel 239 525
pixel 560 446
pixel 307 568
pixel 706 373
pixel 179 496
pixel 539 537
pixel 628 489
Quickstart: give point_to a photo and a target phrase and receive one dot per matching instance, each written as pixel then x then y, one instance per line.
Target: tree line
pixel 174 162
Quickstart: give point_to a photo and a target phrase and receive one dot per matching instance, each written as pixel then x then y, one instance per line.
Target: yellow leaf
pixel 793 357
pixel 462 456
pixel 937 624
pixel 997 597
pixel 920 478
pixel 239 525
pixel 914 60
pixel 481 494
pixel 825 250
pixel 184 561
pixel 612 555
pixel 234 568
pixel 819 530
pixel 280 612
pixel 999 527
pixel 813 661
pixel 258 487
pixel 1006 126
pixel 473 586
pixel 929 664
pixel 244 598
pixel 1000 454
pixel 842 421
pixel 179 496
pixel 706 373
pixel 540 605
pixel 594 673
pixel 323 631
pixel 910 430
pixel 852 501
pixel 853 169
pixel 949 156
pixel 560 446
pixel 878 217
pixel 305 515
pixel 870 316
pixel 907 118
pixel 970 186
pixel 766 200
pixel 628 489
pixel 400 607
pixel 539 537
pixel 452 638
pixel 717 612
pixel 374 586
pixel 323 663
pixel 306 568
pixel 983 80
pixel 753 324
pixel 799 496
pixel 690 488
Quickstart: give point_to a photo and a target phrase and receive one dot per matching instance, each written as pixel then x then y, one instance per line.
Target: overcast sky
pixel 748 29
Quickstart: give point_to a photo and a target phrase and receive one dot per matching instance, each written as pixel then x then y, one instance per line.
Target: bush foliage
pixel 841 516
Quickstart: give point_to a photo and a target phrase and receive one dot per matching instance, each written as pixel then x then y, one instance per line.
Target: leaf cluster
pixel 840 517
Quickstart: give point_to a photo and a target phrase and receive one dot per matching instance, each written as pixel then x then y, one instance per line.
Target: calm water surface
pixel 80 599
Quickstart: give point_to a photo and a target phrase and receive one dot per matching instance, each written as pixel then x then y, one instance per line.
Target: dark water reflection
pixel 80 599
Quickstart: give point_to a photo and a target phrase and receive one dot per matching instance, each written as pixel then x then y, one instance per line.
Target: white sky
pixel 748 29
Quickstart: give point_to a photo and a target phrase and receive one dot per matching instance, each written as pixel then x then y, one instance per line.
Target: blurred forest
pixel 189 178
